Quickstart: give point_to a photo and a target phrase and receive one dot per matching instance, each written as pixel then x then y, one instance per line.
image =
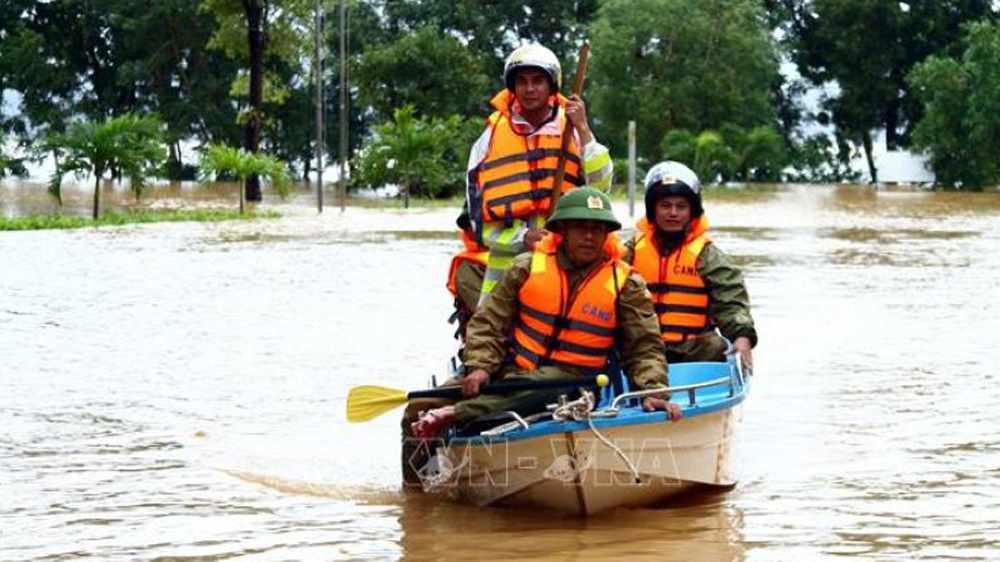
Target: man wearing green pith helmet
pixel 556 314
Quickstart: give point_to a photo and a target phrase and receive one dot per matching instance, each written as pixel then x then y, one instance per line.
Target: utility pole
pixel 343 105
pixel 319 106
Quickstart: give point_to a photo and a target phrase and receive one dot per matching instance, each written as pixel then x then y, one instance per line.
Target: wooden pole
pixel 631 169
pixel 343 105
pixel 581 71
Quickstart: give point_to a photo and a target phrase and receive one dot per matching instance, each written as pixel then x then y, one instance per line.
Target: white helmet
pixel 672 178
pixel 533 56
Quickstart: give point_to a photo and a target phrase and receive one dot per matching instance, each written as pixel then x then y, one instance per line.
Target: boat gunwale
pixel 632 415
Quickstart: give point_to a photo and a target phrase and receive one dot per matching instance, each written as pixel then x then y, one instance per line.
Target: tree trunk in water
pixel 255 15
pixel 174 161
pixel 892 125
pixel 97 193
pixel 866 140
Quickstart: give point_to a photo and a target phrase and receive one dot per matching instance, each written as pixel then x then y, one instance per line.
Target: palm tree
pixel 222 159
pixel 407 151
pixel 130 144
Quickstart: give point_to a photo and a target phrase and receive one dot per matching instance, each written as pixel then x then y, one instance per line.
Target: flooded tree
pixel 264 34
pixel 960 128
pixel 421 155
pixel 677 64
pixel 130 145
pixel 866 48
pixel 241 164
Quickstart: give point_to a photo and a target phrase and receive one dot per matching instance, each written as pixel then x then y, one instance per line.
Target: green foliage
pixel 678 64
pixel 730 154
pixel 960 128
pixel 867 47
pixel 818 158
pixel 91 60
pixel 130 145
pixel 282 27
pixel 434 73
pixel 493 29
pixel 679 145
pixel 423 156
pixel 9 164
pixel 283 23
pixel 50 51
pixel 240 164
pixel 267 36
pixel 711 156
pixel 164 55
pixel 111 218
pixel 621 172
pixel 758 154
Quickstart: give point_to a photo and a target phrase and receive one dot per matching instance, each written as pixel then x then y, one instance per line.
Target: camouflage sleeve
pixel 728 301
pixel 468 281
pixel 629 255
pixel 488 329
pixel 642 353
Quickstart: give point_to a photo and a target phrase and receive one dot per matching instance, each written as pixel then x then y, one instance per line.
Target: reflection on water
pixel 886 236
pixel 177 390
pixel 704 528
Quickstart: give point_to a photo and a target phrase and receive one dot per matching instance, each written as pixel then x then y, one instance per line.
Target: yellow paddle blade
pixel 369 402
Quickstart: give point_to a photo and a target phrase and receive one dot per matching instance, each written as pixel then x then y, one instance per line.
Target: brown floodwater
pixel 177 391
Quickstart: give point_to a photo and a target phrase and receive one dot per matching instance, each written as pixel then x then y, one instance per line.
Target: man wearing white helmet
pixel 512 165
pixel 695 287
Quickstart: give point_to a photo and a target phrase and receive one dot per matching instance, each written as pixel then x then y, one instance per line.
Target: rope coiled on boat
pixel 580 410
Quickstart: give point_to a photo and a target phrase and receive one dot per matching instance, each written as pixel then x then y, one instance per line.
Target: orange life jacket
pixel 680 296
pixel 473 252
pixel 517 175
pixel 554 327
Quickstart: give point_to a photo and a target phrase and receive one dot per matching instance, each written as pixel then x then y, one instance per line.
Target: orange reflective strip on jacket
pixel 518 173
pixel 557 328
pixel 473 253
pixel 680 296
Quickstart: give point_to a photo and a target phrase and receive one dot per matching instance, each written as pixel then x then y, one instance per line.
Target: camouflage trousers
pixel 709 346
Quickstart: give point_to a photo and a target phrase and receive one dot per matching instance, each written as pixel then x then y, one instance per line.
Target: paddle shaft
pixel 456 391
pixel 581 71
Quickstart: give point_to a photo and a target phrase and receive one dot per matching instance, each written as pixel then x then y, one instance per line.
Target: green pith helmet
pixel 585 204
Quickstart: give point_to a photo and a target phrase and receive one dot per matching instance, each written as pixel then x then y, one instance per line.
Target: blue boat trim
pixel 707 400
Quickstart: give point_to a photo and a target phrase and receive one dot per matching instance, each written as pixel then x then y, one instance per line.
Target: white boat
pixel 582 459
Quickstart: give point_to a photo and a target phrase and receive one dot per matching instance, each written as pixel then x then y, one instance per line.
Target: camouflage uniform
pixel 488 334
pixel 468 280
pixel 728 305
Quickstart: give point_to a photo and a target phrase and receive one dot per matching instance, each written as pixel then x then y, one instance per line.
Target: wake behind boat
pixel 585 459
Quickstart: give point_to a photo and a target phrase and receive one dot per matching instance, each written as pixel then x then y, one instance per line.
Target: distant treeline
pixel 702 80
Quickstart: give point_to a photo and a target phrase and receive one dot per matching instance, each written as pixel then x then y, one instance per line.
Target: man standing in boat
pixel 695 286
pixel 512 166
pixel 555 315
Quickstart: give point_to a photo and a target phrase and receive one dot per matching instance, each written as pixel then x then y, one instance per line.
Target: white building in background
pixel 900 166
